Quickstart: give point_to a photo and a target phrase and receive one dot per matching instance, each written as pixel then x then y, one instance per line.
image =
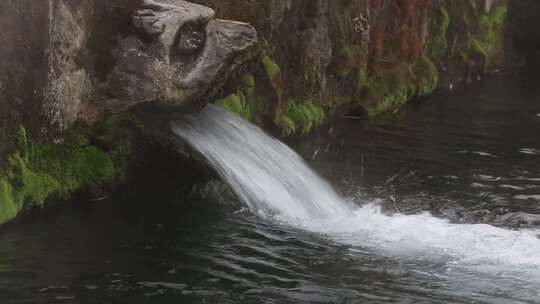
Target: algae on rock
pixel 86 159
pixel 304 115
pixel 438 42
pixel 243 102
pixel 487 39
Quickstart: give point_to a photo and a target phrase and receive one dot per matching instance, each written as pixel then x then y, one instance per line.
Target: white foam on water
pixel 425 235
pixel 274 182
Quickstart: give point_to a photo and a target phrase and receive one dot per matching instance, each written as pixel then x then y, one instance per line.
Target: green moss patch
pixel 427 76
pixel 286 124
pixel 244 102
pixel 438 44
pixel 8 207
pixel 389 89
pixel 485 42
pixel 273 72
pixel 479 44
pixel 88 158
pixel 237 104
pixel 304 115
pixel 393 87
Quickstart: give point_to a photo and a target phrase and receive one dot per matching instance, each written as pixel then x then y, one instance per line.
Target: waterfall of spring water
pixel 275 183
pixel 269 177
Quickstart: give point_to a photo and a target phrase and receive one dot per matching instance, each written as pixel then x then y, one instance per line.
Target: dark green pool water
pixel 471 156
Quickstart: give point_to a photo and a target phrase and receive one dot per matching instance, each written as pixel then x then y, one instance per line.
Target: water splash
pixel 274 182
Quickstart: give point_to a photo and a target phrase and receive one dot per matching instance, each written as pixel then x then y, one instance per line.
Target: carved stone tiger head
pixel 178 55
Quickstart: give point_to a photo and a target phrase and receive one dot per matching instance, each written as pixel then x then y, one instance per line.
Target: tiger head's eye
pixel 190 42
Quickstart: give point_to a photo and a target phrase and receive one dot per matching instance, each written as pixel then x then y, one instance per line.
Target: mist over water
pixel 275 183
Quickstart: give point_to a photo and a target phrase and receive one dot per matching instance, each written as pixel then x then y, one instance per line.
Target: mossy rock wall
pixel 49 59
pixel 317 58
pixel 48 50
pixel 373 54
pixel 87 159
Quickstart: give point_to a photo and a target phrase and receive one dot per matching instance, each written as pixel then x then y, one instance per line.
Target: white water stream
pixel 275 183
